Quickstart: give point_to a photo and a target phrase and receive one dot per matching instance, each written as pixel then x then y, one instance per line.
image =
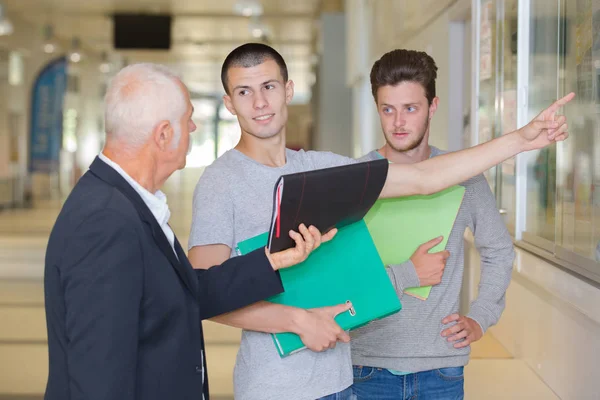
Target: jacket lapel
pixel 113 178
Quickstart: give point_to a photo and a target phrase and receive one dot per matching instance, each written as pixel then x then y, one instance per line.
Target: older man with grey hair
pixel 123 304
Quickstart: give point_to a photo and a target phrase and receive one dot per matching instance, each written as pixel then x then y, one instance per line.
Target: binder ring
pixel 352 311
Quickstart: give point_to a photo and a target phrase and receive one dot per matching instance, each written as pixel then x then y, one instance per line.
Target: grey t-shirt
pixel 233 201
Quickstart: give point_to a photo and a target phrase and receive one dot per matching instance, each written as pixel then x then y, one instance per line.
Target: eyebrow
pixel 404 105
pixel 262 84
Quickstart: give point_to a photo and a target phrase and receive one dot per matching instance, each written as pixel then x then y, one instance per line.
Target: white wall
pixel 433 41
pixel 366 131
pixel 334 115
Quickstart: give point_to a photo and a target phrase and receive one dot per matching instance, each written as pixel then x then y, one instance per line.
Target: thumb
pixel 338 309
pixel 425 247
pixel 329 235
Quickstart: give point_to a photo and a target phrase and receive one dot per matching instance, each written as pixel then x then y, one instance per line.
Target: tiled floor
pixel 491 374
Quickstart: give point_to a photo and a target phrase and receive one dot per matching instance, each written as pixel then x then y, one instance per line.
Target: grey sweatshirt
pixel 410 340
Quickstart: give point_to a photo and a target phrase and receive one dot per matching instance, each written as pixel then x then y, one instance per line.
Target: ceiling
pixel 203 32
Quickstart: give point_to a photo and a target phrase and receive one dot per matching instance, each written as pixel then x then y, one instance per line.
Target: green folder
pixel 347 268
pixel 400 225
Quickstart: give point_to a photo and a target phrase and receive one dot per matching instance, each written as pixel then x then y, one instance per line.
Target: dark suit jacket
pixel 123 312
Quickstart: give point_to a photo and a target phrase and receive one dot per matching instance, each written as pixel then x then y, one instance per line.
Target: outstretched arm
pixel 438 173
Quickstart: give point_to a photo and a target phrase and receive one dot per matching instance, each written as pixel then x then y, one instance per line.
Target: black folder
pixel 326 198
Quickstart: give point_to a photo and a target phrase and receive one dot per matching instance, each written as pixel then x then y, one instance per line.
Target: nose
pixel 193 126
pixel 399 121
pixel 260 101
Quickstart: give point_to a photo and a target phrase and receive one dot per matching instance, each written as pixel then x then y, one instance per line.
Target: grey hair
pixel 139 97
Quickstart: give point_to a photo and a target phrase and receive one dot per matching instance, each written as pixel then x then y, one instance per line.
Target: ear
pixel 289 91
pixel 433 107
pixel 229 104
pixel 163 135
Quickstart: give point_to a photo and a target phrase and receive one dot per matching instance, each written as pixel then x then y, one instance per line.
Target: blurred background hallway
pixel 500 62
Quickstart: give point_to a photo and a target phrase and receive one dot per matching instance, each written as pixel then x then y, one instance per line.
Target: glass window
pixel 487 79
pixel 507 117
pixel 543 90
pixel 561 202
pixel 498 94
pixel 579 158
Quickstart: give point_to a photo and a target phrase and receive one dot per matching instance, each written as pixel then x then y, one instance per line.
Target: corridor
pixel 491 374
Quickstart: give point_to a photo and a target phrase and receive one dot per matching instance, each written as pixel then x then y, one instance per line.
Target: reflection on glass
pixel 543 90
pixel 487 79
pixel 497 93
pixel 541 189
pixel 507 121
pixel 579 168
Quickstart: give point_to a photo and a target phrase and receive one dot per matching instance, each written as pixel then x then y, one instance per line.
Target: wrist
pixel 405 275
pixel 417 270
pixel 517 142
pixel 476 325
pixel 272 259
pixel 297 320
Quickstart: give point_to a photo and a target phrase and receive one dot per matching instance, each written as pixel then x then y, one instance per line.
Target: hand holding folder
pixel 306 241
pixel 325 198
pixel 347 268
pixel 400 225
pixel 430 265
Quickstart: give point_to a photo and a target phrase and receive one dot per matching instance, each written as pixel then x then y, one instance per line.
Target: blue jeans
pixel 380 384
pixel 343 395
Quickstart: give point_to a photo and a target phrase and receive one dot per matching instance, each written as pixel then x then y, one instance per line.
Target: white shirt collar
pixel 157 202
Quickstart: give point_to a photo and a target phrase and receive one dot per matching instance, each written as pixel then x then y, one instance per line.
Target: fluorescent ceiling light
pixel 248 8
pixel 6 27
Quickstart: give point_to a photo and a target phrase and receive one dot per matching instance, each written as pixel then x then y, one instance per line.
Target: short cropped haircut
pixel 250 55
